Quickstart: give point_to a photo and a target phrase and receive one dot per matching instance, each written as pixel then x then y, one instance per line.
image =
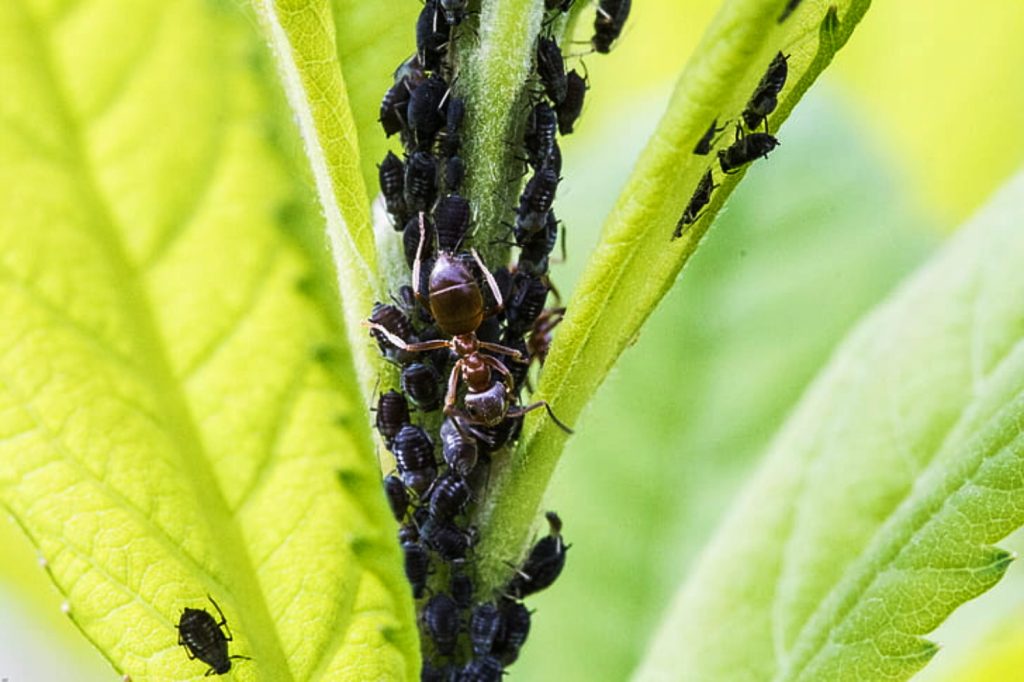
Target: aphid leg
pixel 223 621
pixel 520 411
pixel 499 302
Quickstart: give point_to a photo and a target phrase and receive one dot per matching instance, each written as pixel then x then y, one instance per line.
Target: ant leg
pixel 520 411
pixel 495 363
pixel 416 266
pixel 401 344
pixel 504 350
pixel 223 621
pixel 453 390
pixel 500 303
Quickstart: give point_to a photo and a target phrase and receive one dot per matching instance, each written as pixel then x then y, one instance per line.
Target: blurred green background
pixel 913 126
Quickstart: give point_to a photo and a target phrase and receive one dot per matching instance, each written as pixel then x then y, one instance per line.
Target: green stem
pixel 635 264
pixel 493 78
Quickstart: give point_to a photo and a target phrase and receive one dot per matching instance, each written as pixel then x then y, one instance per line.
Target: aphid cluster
pixel 465 334
pixel 746 146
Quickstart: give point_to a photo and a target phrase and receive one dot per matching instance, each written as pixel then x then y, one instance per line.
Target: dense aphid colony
pixel 465 333
pixel 746 147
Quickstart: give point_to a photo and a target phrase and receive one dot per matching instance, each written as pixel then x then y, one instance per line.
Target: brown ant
pixel 457 304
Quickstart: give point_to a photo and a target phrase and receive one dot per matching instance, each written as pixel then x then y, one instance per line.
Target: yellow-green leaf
pixel 874 513
pixel 178 415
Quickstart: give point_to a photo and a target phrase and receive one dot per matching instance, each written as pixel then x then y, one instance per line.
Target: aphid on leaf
pixel 206 639
pixel 701 197
pixel 745 149
pixel 765 97
pixel 544 563
pixel 611 17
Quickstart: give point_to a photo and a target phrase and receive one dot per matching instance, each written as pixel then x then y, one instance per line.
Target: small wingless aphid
pixel 204 638
pixel 701 197
pixel 745 149
pixel 703 147
pixel 611 17
pixel 765 97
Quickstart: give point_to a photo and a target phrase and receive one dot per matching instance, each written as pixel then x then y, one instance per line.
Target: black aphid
pixel 398 496
pixel 536 247
pixel 484 627
pixel 515 621
pixel 451 220
pixel 411 239
pixel 765 97
pixel 529 294
pixel 426 114
pixel 455 113
pixel 790 7
pixel 551 69
pixel 431 36
pixel 544 564
pixel 569 109
pixel 420 181
pixel 394 105
pixel 701 197
pixel 454 172
pixel 745 149
pixel 462 589
pixel 392 414
pixel 535 201
pixel 486 669
pixel 441 618
pixel 414 455
pixel 449 497
pixel 417 566
pixel 539 138
pixel 394 320
pixel 493 438
pixel 454 11
pixel 458 448
pixel 391 173
pixel 393 108
pixel 703 147
pixel 422 384
pixel 206 639
pixel 611 17
pixel 449 541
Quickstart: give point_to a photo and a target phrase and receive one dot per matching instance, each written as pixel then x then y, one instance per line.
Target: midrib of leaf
pixel 178 418
pixel 635 264
pixel 351 236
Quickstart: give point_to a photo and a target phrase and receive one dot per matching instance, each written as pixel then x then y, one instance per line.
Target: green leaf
pixel 635 264
pixel 175 407
pixel 873 514
pixel 774 262
pixel 302 35
pixel 371 41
